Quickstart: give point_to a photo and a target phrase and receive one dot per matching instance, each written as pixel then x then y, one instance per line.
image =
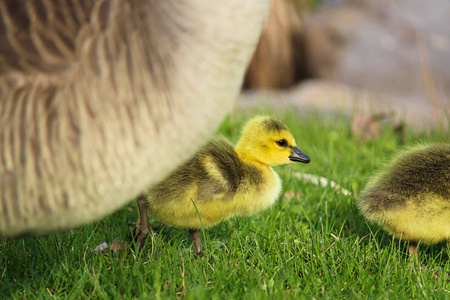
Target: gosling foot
pixel 140 233
pixel 142 227
pixel 413 254
pixel 195 237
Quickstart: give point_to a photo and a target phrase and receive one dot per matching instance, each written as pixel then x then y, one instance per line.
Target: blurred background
pixel 379 61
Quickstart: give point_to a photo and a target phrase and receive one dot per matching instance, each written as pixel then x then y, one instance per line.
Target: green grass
pixel 312 243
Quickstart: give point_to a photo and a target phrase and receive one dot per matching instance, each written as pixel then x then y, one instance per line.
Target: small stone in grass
pixel 100 248
pixel 117 246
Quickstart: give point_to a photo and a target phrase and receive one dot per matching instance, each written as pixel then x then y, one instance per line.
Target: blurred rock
pixel 332 98
pixel 398 46
pixel 368 57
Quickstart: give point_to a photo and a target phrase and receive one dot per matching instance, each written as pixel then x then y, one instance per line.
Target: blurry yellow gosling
pixel 411 197
pixel 222 181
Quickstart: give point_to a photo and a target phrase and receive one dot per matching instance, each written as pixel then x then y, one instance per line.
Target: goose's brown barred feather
pixel 100 99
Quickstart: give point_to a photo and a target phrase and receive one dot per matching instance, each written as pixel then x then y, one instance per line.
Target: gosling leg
pixel 195 237
pixel 142 227
pixel 413 255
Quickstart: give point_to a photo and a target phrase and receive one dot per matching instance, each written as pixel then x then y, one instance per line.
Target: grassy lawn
pixel 312 243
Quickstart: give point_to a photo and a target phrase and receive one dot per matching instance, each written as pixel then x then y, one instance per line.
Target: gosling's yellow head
pixel 267 140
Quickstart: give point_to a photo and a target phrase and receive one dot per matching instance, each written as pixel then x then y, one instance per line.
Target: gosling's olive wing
pixel 222 170
pixel 210 189
pixel 217 182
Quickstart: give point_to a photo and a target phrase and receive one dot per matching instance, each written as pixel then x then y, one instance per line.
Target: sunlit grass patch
pixel 312 243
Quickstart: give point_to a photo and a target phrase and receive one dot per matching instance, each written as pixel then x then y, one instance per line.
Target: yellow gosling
pixel 411 197
pixel 222 181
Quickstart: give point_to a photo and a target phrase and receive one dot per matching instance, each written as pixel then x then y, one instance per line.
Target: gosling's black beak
pixel 299 156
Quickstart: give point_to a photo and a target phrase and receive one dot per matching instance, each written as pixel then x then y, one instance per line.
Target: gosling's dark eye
pixel 282 143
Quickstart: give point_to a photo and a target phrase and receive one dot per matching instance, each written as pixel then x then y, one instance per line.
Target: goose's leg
pixel 195 237
pixel 142 227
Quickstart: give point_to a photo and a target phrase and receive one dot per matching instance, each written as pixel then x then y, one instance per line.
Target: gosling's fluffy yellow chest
pixel 249 198
pixel 263 195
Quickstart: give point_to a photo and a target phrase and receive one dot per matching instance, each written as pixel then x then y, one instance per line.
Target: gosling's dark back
pixel 423 170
